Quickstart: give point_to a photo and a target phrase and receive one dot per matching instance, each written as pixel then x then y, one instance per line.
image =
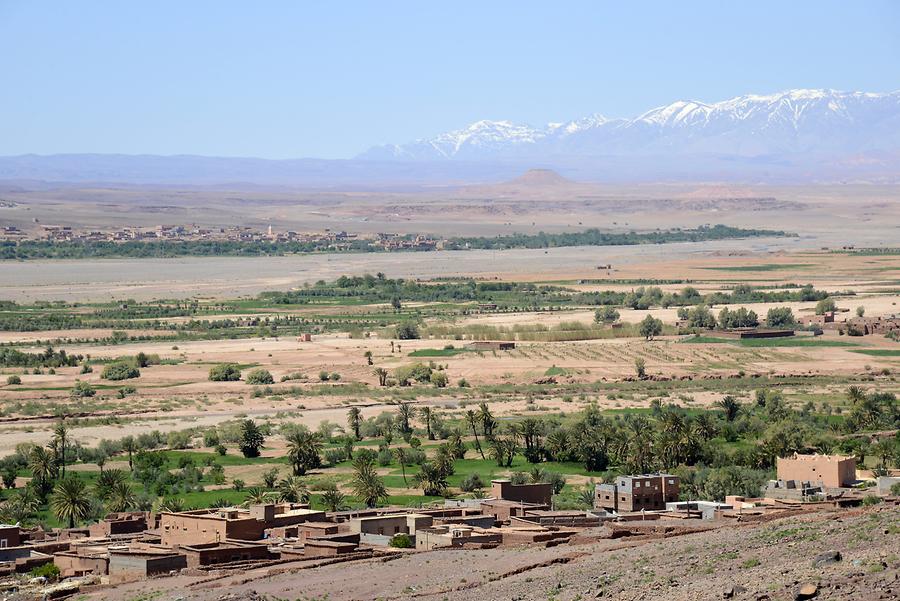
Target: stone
pixel 733 589
pixel 806 591
pixel 826 558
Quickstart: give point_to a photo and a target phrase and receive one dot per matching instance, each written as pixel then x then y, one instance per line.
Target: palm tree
pixel 332 498
pixel 293 490
pixel 456 444
pixel 20 507
pixel 404 412
pixel 172 505
pixel 382 373
pixel 354 420
pixel 70 502
pixel 730 406
pixel 303 451
pixel 400 454
pixel 855 394
pixel 130 447
pixel 107 482
pixel 257 496
pixel 43 469
pixel 121 497
pixel 427 417
pixel 488 423
pixel 367 486
pixel 432 480
pixel 220 503
pixel 60 438
pixel 532 430
pixel 473 423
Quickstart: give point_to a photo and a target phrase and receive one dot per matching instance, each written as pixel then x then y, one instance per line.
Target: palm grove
pixel 728 449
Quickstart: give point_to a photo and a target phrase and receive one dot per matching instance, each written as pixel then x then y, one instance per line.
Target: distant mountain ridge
pixel 797 136
pixel 821 122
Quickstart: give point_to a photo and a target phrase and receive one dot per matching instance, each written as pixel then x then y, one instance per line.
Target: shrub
pixel 225 372
pixel 895 489
pixel 211 438
pixel 120 371
pixel 385 457
pixel 401 541
pixel 221 449
pixel 13 380
pixel 439 379
pixel 82 390
pixel 335 377
pixel 86 369
pixel 871 500
pixel 471 483
pixel 407 331
pixel 260 376
pixel 237 484
pixel 334 456
pixel 48 571
pixel 323 376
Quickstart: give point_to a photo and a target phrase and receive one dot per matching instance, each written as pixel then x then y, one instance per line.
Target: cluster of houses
pixel 136 545
pixel 858 326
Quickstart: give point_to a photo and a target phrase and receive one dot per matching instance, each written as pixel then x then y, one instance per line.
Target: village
pixel 131 546
pixel 327 239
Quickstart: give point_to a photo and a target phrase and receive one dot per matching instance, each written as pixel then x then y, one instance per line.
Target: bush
pixel 418 372
pixel 48 571
pixel 13 380
pixel 471 483
pixel 871 500
pixel 780 317
pixel 335 377
pixel 178 440
pixel 334 456
pixel 439 379
pixel 211 438
pixel 237 484
pixel 82 390
pixel 401 541
pixel 606 315
pixel 385 457
pixel 826 305
pixel 895 489
pixel 221 449
pixel 407 331
pixel 225 372
pixel 260 376
pixel 120 371
pixel 86 369
pixel 323 376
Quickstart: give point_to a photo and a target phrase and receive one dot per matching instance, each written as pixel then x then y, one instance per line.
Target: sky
pixel 329 79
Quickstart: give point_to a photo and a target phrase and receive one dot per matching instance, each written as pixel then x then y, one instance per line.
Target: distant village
pixel 131 546
pixel 325 240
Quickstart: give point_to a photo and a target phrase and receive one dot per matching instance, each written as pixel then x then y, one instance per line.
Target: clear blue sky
pixel 330 78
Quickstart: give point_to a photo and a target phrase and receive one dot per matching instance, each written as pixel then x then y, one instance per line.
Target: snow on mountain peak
pixel 798 120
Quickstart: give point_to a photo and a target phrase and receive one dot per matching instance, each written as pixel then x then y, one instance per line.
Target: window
pixel 3 543
pixel 637 484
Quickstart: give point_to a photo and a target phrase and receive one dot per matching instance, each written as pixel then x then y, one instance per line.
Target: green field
pixel 792 341
pixel 879 352
pixel 438 352
pixel 763 267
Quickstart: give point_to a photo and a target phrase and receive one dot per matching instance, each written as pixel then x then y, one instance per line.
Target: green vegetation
pixel 762 267
pixel 225 372
pixel 883 352
pixel 448 351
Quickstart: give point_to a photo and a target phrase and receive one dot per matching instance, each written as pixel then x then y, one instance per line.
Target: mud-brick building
pixel 829 471
pixel 645 492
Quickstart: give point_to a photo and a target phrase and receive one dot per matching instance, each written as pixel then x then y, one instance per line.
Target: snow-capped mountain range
pixel 822 123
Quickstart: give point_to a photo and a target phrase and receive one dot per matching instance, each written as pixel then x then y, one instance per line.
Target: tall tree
pixel 70 501
pixel 60 440
pixel 473 423
pixel 304 448
pixel 367 485
pixel 354 420
pixel 488 423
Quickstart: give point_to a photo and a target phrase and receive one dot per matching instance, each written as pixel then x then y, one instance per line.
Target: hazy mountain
pixel 820 122
pixel 795 136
